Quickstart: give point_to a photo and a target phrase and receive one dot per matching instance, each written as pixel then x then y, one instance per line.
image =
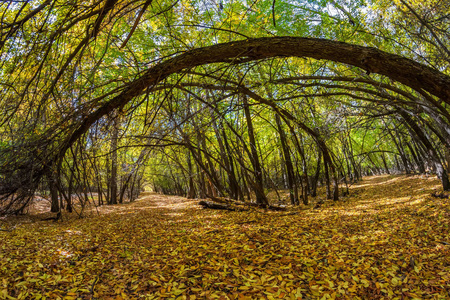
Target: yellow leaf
pixel 395 281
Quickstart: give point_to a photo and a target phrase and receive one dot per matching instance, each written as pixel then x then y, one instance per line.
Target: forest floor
pixel 388 240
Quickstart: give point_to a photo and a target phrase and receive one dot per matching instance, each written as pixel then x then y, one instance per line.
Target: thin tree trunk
pixel 327 179
pixel 191 188
pixel 420 165
pixel 259 184
pixel 288 163
pixel 52 184
pixel 113 178
pixel 315 179
pixel 400 151
pixel 235 191
pixel 440 170
pixel 386 168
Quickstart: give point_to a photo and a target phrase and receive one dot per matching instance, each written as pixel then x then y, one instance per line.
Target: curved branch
pixel 375 84
pixel 406 71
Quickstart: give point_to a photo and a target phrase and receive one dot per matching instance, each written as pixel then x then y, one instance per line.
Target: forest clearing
pixel 387 240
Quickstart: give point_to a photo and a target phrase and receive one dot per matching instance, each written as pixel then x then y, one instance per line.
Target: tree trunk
pixel 441 172
pixel 327 179
pixel 400 151
pixel 386 168
pixel 419 164
pixel 259 184
pixel 52 184
pixel 113 178
pixel 69 192
pixel 191 188
pixel 236 191
pixel 288 163
pixel 315 179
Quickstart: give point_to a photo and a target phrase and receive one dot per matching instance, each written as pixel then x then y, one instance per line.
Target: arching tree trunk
pixel 405 71
pixel 415 75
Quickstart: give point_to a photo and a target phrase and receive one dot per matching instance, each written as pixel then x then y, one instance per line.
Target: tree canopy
pixel 215 99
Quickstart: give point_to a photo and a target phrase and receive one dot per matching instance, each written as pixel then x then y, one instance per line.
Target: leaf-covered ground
pixel 388 240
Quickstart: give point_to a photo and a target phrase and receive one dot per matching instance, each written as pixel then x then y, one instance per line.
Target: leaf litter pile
pixel 388 240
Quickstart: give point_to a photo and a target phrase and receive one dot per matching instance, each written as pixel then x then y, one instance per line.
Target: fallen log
pixel 227 206
pixel 441 195
pixel 276 208
pixel 221 200
pixel 214 205
pixel 55 218
pixel 228 202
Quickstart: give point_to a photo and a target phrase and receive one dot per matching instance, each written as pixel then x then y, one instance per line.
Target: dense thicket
pixel 101 99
